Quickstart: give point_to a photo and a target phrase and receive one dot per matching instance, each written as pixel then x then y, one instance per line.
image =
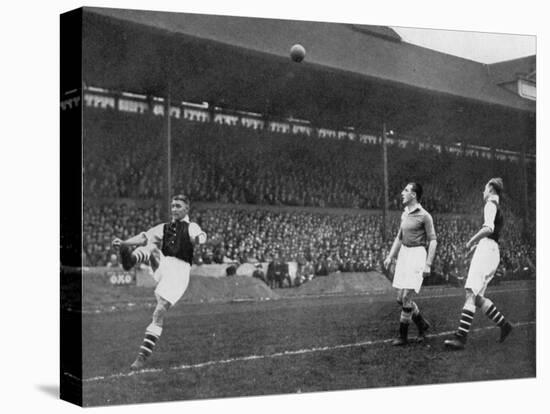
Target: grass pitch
pixel 293 345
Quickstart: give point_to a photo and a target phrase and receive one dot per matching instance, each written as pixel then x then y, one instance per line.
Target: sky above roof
pixel 477 46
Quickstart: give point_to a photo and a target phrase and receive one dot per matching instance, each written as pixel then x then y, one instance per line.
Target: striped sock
pixel 492 312
pixel 466 320
pixel 152 334
pixel 141 255
pixel 415 309
pixel 419 320
pixel 406 314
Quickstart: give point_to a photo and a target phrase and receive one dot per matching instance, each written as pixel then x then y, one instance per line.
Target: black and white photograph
pixel 292 208
pixel 284 206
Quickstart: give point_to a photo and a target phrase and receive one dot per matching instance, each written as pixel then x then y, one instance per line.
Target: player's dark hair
pixel 181 197
pixel 496 184
pixel 417 188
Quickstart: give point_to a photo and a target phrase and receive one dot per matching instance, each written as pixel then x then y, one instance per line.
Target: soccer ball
pixel 297 53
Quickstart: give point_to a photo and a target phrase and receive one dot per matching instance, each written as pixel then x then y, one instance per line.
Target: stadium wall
pixel 143 276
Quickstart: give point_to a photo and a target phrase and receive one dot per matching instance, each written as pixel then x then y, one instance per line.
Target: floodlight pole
pixel 385 167
pixel 525 192
pixel 168 172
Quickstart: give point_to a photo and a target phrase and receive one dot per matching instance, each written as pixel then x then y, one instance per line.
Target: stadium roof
pixel 353 76
pixel 372 51
pixel 511 70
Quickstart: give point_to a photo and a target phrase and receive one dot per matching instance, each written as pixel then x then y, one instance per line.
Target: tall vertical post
pixel 168 155
pixel 525 192
pixel 385 167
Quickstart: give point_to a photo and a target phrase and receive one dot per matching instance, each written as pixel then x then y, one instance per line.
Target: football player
pixel 168 247
pixel 483 267
pixel 413 262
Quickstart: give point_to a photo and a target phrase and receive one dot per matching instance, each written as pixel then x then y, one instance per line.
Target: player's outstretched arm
pixel 138 240
pixel 196 234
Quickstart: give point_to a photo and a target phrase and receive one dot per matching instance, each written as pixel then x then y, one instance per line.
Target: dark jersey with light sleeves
pixel 176 238
pixel 417 227
pixel 176 241
pixel 493 219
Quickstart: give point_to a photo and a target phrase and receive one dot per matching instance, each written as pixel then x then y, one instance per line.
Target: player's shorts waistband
pixel 180 259
pixel 487 240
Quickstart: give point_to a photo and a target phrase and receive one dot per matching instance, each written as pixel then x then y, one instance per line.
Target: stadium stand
pixel 235 164
pixel 331 241
pixel 228 163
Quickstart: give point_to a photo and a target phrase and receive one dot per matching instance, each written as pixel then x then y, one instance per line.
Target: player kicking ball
pixel 483 267
pixel 413 263
pixel 168 247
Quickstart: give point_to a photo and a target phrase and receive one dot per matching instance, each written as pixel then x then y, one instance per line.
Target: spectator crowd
pixel 328 241
pixel 218 163
pixel 255 170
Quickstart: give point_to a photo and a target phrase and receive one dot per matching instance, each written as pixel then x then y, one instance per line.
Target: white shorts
pixel 483 266
pixel 172 276
pixel 409 268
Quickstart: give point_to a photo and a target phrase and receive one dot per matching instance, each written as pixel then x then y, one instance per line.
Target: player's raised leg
pixel 133 251
pixel 131 258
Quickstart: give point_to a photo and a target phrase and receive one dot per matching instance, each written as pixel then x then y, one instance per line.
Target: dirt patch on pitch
pixel 227 289
pixel 100 295
pixel 343 284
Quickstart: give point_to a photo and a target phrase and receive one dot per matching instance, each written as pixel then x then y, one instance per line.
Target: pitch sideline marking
pixel 274 355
